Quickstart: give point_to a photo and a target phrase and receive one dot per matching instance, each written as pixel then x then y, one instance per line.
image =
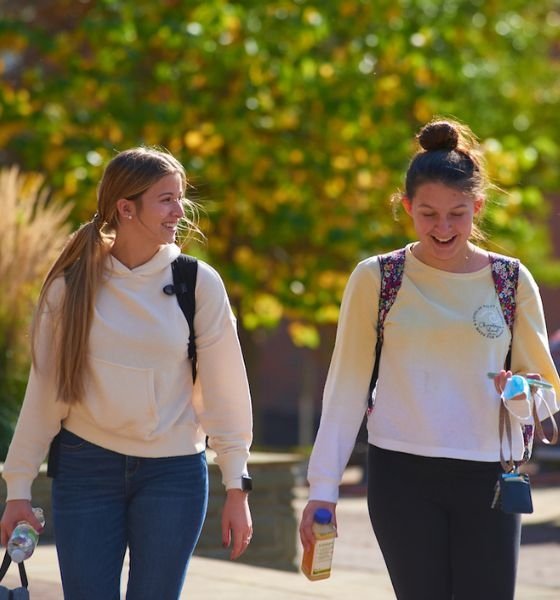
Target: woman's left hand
pixel 236 522
pixel 537 377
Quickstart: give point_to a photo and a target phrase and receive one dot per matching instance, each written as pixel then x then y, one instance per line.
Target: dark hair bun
pixel 439 135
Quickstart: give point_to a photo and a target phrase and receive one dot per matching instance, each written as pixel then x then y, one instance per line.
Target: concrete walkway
pixel 358 569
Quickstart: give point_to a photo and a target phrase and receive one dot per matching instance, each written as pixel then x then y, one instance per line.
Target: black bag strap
pixel 185 269
pixel 6 565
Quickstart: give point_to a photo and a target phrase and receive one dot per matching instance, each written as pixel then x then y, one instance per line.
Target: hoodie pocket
pixel 121 399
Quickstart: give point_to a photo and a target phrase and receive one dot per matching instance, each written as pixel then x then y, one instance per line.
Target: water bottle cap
pixel 322 516
pixel 17 555
pixel 39 515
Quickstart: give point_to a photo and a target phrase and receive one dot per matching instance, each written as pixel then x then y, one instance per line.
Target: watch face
pixel 246 483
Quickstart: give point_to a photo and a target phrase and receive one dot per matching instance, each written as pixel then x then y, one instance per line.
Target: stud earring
pixel 129 217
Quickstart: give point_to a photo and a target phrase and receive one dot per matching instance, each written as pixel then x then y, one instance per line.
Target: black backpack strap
pixel 185 269
pixel 391 266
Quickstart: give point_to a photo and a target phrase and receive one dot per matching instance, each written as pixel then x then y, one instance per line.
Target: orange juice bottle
pixel 316 562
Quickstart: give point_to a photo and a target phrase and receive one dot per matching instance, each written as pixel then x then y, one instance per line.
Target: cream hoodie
pixel 444 333
pixel 139 398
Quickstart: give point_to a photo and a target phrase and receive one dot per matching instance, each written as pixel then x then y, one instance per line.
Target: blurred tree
pixel 294 119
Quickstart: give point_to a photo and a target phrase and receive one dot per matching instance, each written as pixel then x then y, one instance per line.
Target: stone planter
pixel 274 521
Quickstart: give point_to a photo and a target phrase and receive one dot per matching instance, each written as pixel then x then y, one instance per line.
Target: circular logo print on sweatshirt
pixel 488 321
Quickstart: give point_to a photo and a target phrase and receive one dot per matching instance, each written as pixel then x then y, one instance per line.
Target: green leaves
pixel 295 120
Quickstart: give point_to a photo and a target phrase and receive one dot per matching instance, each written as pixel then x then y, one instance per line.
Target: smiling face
pixel 443 220
pixel 158 211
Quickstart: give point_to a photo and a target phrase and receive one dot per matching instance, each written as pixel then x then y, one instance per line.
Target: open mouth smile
pixel 444 241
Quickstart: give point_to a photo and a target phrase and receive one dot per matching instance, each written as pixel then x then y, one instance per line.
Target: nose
pixel 179 209
pixel 443 225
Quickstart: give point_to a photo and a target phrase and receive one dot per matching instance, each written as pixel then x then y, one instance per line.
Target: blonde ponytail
pixel 81 263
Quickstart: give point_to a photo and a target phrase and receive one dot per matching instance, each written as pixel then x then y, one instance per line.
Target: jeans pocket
pixel 81 460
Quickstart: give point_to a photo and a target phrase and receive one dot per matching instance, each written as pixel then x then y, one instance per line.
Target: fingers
pixel 241 542
pixel 536 376
pixel 306 525
pixel 237 526
pixel 305 532
pixel 500 380
pixel 14 512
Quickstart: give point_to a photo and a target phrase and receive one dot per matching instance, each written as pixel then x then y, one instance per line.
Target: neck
pixel 132 255
pixel 469 260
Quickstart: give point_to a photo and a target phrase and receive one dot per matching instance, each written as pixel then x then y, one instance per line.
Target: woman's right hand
pixel 500 380
pixel 14 512
pixel 305 527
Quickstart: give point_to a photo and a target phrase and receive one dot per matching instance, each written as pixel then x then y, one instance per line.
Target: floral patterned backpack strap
pixel 505 273
pixel 391 266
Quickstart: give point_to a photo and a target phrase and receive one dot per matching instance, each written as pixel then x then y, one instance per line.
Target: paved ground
pixel 358 569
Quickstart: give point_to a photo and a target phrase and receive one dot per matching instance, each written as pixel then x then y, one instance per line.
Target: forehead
pixel 439 195
pixel 168 184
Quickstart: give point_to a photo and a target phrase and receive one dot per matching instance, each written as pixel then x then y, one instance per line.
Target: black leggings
pixel 439 537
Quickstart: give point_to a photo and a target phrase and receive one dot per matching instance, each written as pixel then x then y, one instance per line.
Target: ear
pixel 478 204
pixel 407 205
pixel 125 208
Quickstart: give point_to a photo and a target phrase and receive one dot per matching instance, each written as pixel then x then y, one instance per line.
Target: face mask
pixel 516 396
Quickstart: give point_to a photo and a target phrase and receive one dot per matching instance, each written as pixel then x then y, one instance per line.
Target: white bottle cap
pixel 17 555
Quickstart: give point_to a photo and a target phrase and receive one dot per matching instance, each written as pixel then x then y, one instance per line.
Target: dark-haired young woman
pixel 434 453
pixel 111 379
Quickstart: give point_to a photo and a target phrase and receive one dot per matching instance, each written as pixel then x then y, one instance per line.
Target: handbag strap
pixel 538 426
pixel 505 425
pixel 21 567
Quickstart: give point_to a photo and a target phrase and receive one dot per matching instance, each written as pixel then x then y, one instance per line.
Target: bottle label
pixel 25 530
pixel 322 556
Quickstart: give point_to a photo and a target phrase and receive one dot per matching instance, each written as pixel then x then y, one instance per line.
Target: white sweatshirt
pixel 444 333
pixel 139 397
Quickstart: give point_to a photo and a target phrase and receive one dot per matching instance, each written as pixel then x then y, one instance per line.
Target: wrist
pixel 243 484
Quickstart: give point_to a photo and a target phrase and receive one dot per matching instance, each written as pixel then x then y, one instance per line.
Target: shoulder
pixel 208 279
pixel 367 269
pixel 370 267
pixel 526 284
pixel 365 277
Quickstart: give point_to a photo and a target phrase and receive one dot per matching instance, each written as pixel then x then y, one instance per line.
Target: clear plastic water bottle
pixel 24 538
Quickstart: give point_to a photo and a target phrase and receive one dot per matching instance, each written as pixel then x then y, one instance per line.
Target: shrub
pixel 34 229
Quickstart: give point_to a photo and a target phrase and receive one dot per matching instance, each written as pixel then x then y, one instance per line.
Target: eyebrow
pixel 462 205
pixel 168 194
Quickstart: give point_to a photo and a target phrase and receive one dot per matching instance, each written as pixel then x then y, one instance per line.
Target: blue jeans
pixel 104 501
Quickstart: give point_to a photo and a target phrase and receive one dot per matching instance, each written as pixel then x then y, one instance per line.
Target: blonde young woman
pixel 111 378
pixel 434 443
